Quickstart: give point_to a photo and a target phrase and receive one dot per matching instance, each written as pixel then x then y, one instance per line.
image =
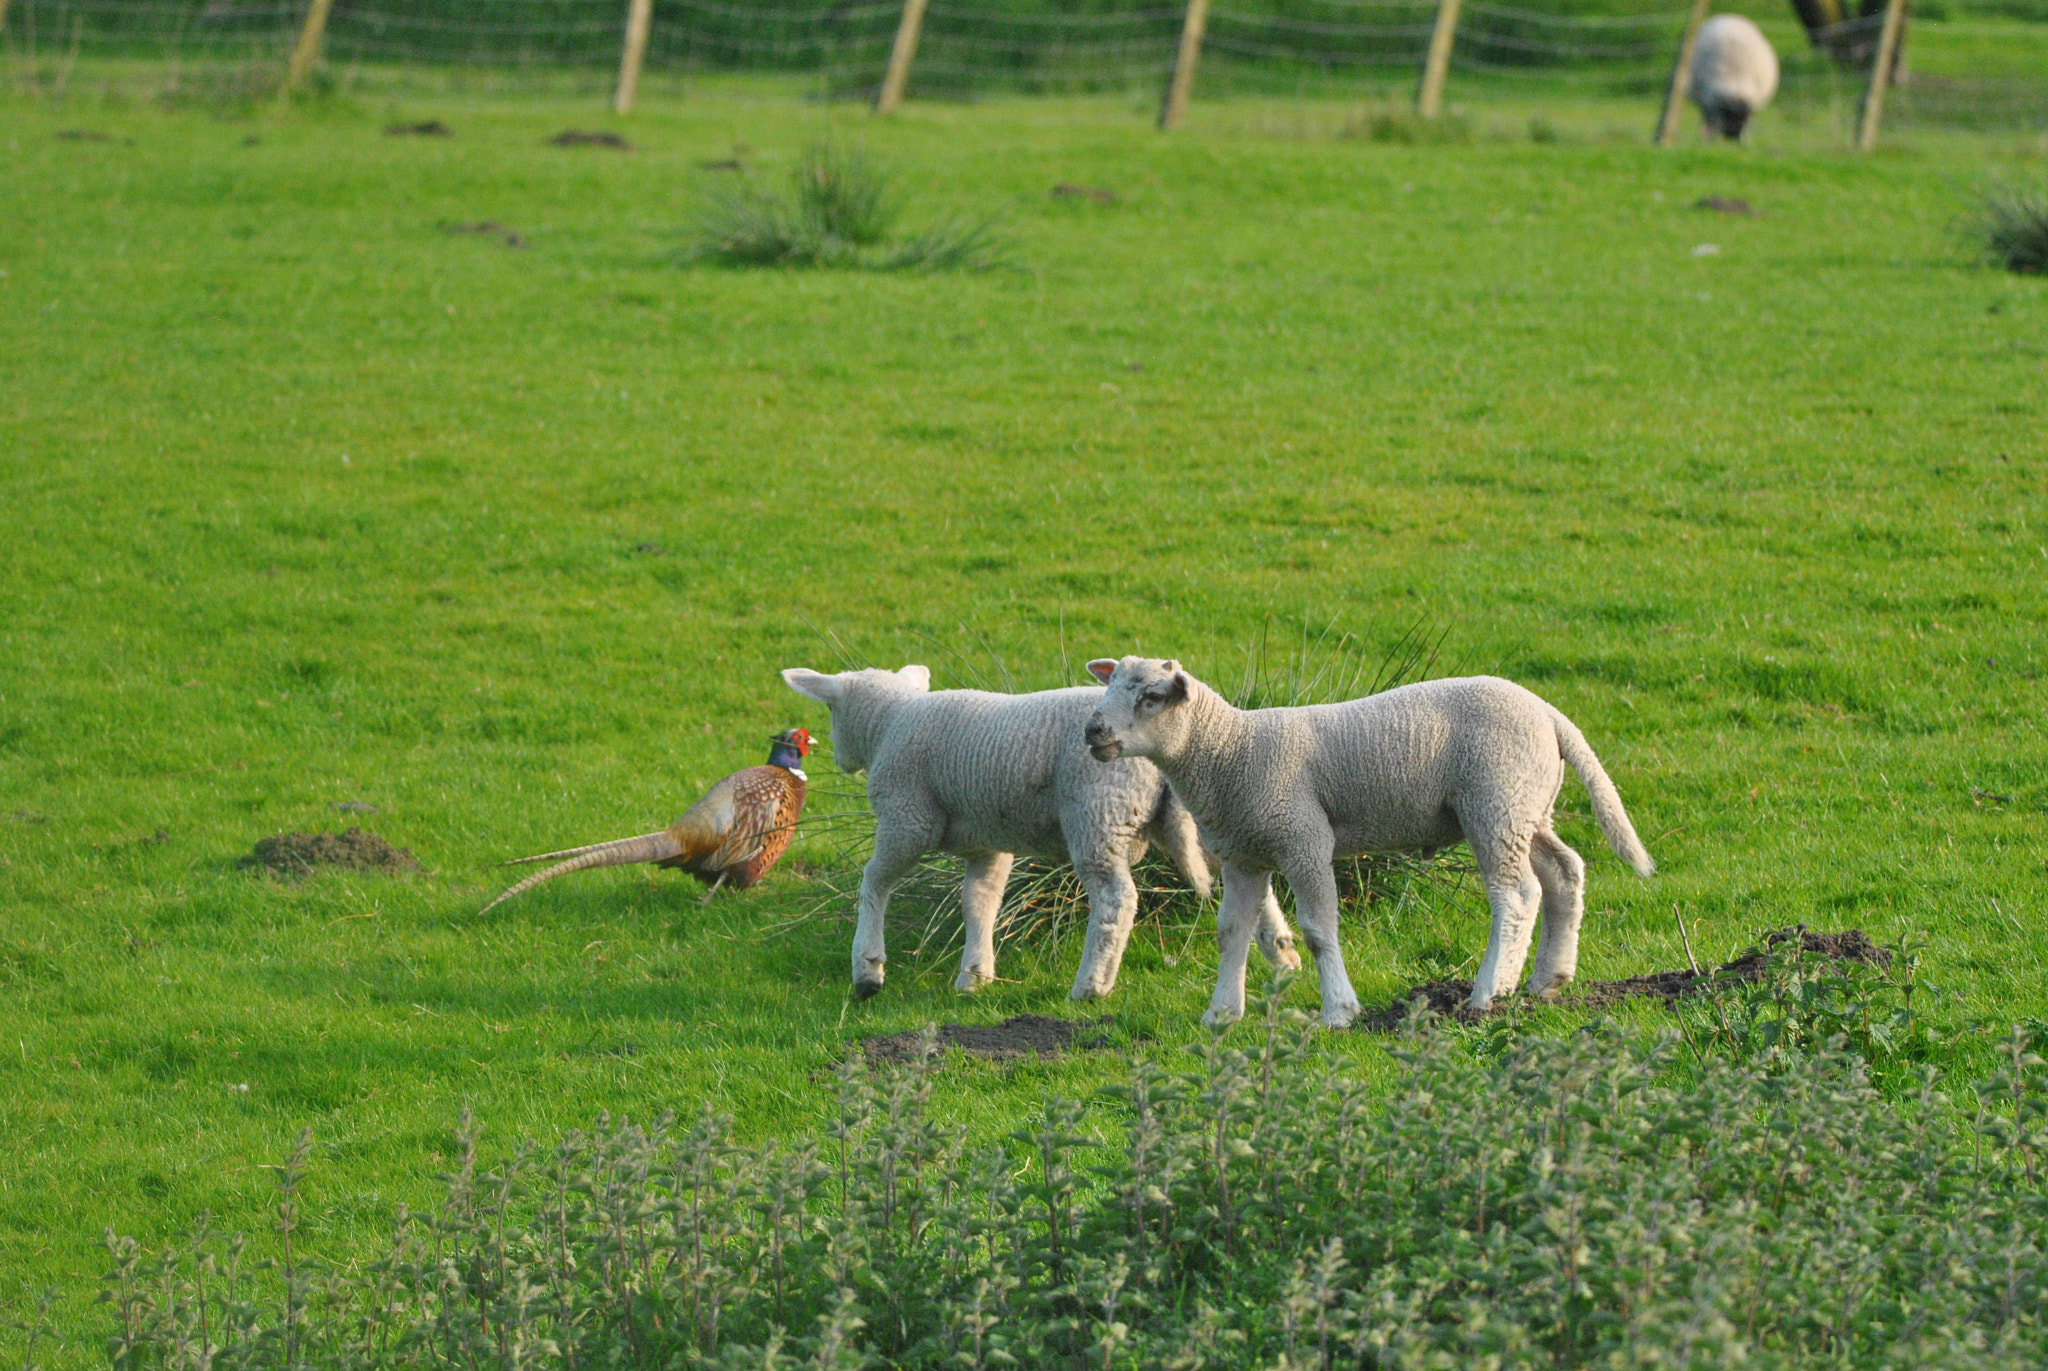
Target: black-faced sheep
pixel 1734 73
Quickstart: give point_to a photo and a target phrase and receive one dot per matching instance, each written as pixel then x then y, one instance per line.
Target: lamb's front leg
pixel 1112 909
pixel 1315 905
pixel 981 900
pixel 894 856
pixel 1237 918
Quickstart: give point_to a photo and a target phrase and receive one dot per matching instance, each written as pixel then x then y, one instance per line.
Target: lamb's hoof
pixel 1090 992
pixel 1476 1005
pixel 1222 1016
pixel 1286 958
pixel 1550 990
pixel 866 990
pixel 1340 1016
pixel 967 982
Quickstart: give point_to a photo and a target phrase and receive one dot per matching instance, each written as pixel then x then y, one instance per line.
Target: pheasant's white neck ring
pixel 797 772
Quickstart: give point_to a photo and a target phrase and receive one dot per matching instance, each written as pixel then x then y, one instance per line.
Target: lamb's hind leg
pixel 1562 874
pixel 1513 894
pixel 981 900
pixel 1276 939
pixel 1178 838
pixel 1112 909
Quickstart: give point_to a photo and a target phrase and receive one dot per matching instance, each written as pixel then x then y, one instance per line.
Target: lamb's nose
pixel 1097 731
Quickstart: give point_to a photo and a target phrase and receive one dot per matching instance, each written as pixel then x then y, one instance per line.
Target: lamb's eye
pixel 1151 697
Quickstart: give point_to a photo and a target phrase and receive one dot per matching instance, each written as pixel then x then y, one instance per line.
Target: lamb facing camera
pixel 1476 759
pixel 987 776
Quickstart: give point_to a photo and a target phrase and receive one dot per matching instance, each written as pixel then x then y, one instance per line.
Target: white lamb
pixel 1734 73
pixel 988 776
pixel 1423 766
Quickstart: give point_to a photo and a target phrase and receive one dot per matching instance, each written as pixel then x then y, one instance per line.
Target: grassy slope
pixel 1767 523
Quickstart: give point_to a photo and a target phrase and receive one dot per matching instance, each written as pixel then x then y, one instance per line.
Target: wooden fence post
pixel 1180 83
pixel 1681 75
pixel 308 50
pixel 1436 67
pixel 901 53
pixel 639 15
pixel 1880 74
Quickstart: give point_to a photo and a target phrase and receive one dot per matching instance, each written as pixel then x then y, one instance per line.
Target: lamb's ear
pixel 919 676
pixel 1102 668
pixel 1177 690
pixel 814 685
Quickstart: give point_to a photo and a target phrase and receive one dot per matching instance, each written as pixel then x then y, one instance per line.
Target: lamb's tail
pixel 650 847
pixel 1613 819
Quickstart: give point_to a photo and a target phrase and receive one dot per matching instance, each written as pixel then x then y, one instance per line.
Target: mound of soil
pixel 489 228
pixel 1448 997
pixel 577 138
pixel 723 164
pixel 1067 190
pixel 298 855
pixel 1025 1035
pixel 1724 204
pixel 433 128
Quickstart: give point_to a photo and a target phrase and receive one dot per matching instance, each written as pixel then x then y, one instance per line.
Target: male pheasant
pixel 734 835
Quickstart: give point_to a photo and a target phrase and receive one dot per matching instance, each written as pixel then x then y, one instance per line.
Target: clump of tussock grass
pixel 841 210
pixel 2014 226
pixel 1509 1198
pixel 1402 127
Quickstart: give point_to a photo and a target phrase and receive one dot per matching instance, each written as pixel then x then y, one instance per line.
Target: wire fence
pixel 1990 75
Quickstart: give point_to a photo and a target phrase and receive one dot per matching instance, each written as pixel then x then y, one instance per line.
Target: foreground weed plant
pixel 840 212
pixel 1512 1201
pixel 2016 227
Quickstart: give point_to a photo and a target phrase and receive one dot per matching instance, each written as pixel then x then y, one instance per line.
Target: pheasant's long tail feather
pixel 649 847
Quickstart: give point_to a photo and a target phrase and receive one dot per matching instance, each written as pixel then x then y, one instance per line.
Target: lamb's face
pixel 1136 710
pixel 859 700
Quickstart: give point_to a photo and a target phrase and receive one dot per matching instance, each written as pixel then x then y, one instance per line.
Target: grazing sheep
pixel 1423 766
pixel 1734 73
pixel 985 777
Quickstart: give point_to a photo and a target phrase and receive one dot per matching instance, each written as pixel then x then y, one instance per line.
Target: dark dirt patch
pixel 432 128
pixel 1448 997
pixel 353 807
pixel 488 228
pixel 1724 204
pixel 297 855
pixel 1066 190
pixel 1025 1035
pixel 723 164
pixel 84 136
pixel 578 138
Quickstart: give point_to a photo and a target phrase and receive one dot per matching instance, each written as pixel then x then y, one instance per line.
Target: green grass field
pixel 308 500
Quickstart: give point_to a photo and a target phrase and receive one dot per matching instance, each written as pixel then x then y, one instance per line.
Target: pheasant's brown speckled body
pixel 733 836
pixel 741 828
